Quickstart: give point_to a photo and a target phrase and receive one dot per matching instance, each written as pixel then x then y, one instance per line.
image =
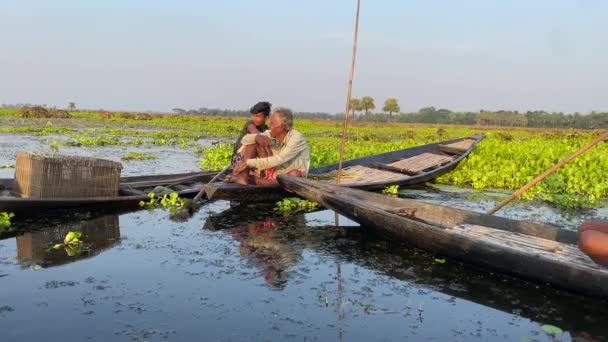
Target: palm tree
pixel 367 104
pixel 391 106
pixel 355 104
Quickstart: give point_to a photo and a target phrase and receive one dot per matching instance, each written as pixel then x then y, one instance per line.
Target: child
pixel 259 113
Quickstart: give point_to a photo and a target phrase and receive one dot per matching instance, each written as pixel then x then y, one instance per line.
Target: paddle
pixel 198 196
pixel 516 194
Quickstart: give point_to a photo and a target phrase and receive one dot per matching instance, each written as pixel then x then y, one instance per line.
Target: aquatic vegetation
pixel 5 220
pixel 138 156
pixel 391 190
pixel 497 163
pixel 216 157
pixel 71 243
pixel 506 159
pixel 552 329
pixel 171 202
pixel 37 130
pixel 292 205
pixel 54 145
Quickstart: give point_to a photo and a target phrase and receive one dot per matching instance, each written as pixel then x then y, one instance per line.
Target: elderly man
pixel 279 150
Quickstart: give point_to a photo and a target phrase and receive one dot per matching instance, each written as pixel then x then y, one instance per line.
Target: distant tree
pixel 391 106
pixel 367 104
pixel 427 110
pixel 355 104
pixel 72 106
pixel 179 110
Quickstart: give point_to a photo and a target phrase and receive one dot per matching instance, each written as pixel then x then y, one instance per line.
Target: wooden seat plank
pixel 457 147
pixel 417 164
pixel 360 174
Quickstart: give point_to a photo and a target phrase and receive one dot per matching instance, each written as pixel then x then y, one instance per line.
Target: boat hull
pixel 533 251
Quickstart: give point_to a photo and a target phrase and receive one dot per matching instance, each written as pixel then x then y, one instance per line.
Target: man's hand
pixel 240 167
pixel 263 140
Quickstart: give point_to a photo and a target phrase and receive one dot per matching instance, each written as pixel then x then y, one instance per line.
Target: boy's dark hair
pixel 261 107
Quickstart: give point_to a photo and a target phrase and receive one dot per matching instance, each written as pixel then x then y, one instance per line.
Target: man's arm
pixel 291 150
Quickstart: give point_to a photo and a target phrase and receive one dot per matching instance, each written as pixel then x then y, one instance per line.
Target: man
pixel 279 150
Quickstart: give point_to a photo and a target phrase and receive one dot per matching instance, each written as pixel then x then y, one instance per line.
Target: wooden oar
pixel 516 194
pixel 198 196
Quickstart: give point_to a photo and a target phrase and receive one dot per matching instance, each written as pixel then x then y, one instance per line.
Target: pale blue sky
pixel 157 55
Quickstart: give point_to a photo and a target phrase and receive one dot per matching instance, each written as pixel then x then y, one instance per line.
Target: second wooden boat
pixel 406 167
pixel 132 191
pixel 533 251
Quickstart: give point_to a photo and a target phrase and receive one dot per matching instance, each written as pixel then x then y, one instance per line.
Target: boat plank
pixel 361 174
pixel 419 163
pixel 457 147
pixel 532 244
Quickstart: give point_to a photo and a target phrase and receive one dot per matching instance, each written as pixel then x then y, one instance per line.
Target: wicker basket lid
pixel 70 160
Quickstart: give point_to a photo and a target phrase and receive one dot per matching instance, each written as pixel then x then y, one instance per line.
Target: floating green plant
pixel 391 190
pixel 72 244
pixel 170 202
pixel 5 220
pixel 292 205
pixel 138 156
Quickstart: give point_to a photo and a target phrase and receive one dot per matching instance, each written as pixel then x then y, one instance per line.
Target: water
pixel 245 274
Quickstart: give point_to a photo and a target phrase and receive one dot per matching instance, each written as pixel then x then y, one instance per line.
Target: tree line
pixel 362 109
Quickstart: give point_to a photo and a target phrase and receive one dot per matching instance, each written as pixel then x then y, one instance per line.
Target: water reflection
pixel 98 234
pixel 277 244
pixel 263 242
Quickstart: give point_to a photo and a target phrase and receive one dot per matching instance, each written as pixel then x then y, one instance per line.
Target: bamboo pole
pixel 598 139
pixel 349 94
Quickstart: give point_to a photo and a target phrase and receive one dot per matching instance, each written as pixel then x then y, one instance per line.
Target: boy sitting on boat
pixel 259 113
pixel 279 150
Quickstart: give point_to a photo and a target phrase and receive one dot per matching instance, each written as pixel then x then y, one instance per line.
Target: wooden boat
pixel 404 167
pixel 534 251
pixel 132 191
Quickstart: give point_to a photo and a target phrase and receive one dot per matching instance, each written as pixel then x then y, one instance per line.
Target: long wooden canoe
pixel 534 251
pixel 406 167
pixel 132 191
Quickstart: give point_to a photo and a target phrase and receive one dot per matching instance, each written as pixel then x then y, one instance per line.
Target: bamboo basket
pixel 41 175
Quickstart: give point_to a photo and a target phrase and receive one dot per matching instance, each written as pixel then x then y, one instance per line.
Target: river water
pixel 247 274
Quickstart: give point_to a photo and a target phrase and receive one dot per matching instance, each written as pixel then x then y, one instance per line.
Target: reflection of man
pixel 279 150
pixel 260 244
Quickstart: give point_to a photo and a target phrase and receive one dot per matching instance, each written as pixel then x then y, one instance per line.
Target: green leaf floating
pixel 72 237
pixel 552 329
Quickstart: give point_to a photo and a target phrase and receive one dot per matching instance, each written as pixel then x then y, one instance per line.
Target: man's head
pixel 259 112
pixel 281 121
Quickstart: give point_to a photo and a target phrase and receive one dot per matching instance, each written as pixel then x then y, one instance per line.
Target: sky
pixel 153 55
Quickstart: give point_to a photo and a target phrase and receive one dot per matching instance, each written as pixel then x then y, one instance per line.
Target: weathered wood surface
pixel 533 251
pixel 457 147
pixel 419 163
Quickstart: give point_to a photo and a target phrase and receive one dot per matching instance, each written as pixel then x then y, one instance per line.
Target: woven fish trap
pixel 42 175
